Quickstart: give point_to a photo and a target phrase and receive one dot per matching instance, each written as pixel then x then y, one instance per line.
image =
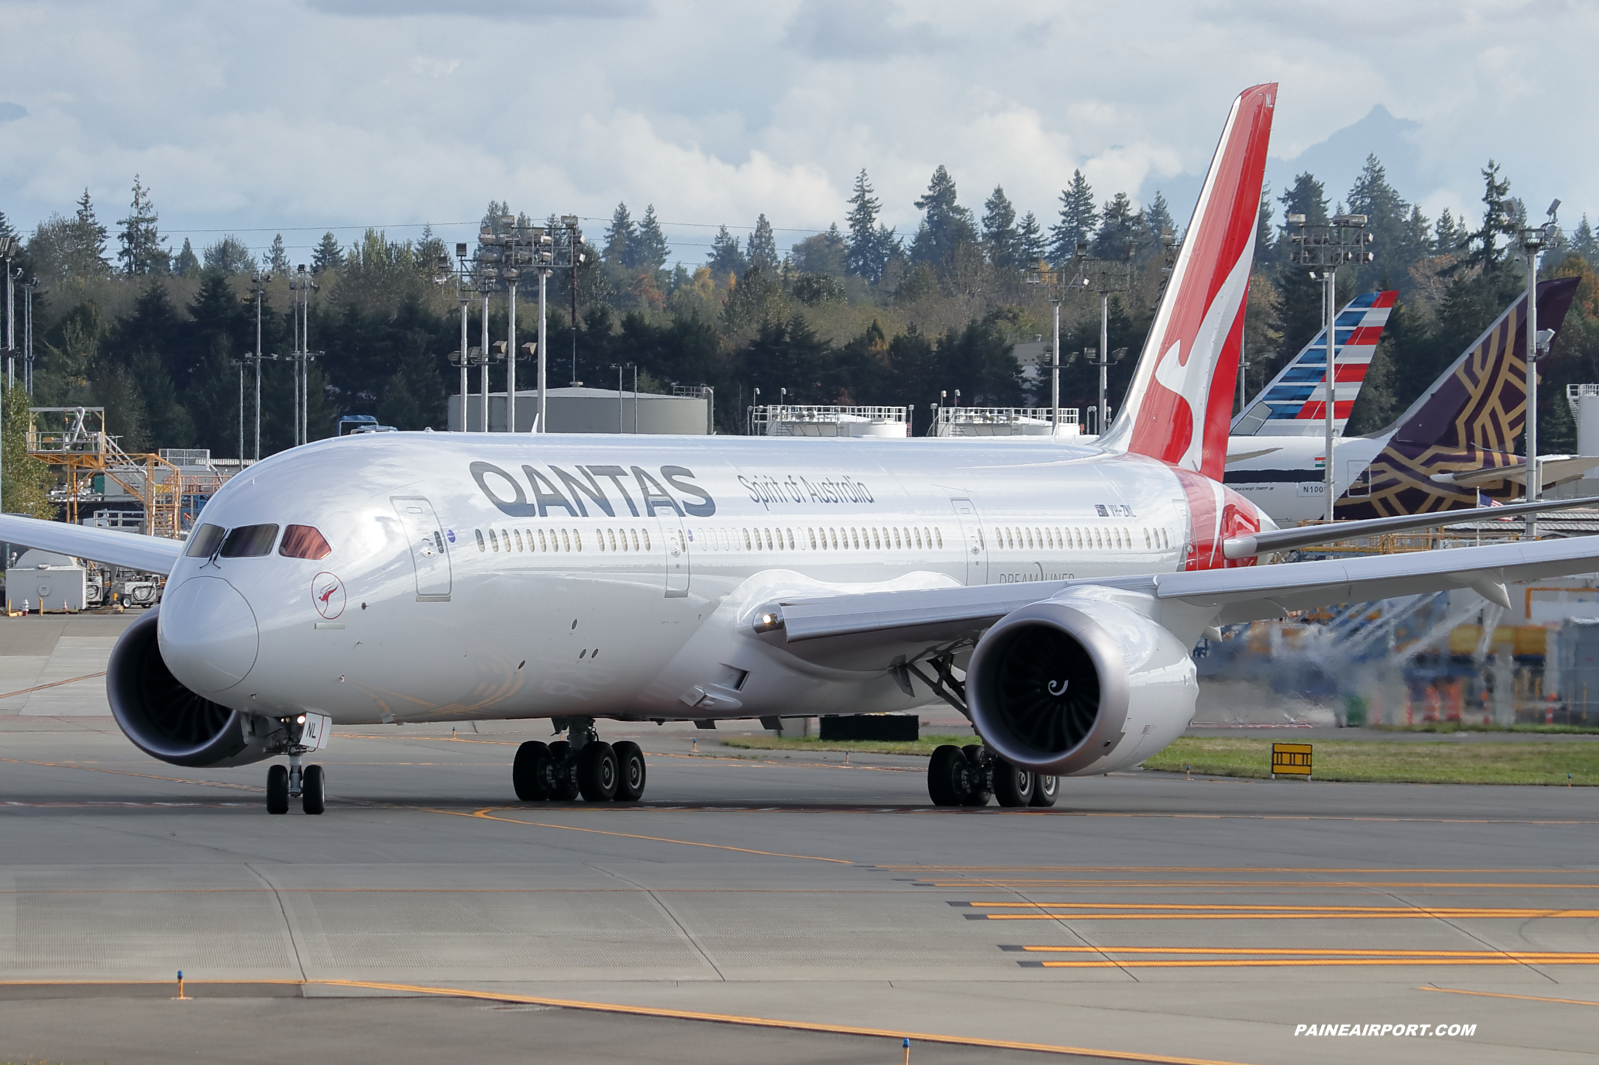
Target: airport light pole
pixel 8 248
pixel 1054 282
pixel 618 368
pixel 1532 242
pixel 1105 277
pixel 1323 248
pixel 259 281
pixel 27 333
pixel 573 239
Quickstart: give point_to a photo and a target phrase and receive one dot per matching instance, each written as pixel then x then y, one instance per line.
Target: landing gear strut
pixel 970 776
pixel 294 737
pixel 581 765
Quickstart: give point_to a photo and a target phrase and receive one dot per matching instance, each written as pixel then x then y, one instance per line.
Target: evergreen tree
pixel 763 246
pixel 865 256
pixel 187 264
pixel 1078 220
pixel 725 258
pixel 1158 219
pixel 90 236
pixel 1000 237
pixel 1119 229
pixel 1030 239
pixel 621 236
pixel 1498 218
pixel 276 260
pixel 142 251
pixel 946 225
pixel 1585 244
pixel 229 256
pixel 326 256
pixel 650 249
pixel 1307 197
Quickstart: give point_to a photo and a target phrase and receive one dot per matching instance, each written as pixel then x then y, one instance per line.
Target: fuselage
pixel 470 576
pixel 1285 476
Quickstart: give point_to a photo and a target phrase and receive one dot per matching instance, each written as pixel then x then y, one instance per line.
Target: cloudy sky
pixel 303 115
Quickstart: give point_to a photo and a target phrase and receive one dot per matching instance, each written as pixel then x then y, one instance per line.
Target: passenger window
pixel 249 541
pixel 480 545
pixel 646 539
pixel 813 538
pixel 610 535
pixel 302 541
pixel 832 534
pixel 494 541
pixel 877 541
pixel 518 535
pixel 204 541
pixel 566 541
pixel 577 539
pixel 768 539
pixel 635 539
pixel 939 533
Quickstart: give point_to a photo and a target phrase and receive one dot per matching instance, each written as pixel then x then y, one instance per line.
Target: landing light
pixel 300 720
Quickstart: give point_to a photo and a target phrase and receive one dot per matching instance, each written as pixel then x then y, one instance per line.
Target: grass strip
pixel 1363 761
pixel 1379 761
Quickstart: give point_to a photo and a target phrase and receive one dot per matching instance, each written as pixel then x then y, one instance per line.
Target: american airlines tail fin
pixel 1179 404
pixel 1295 402
pixel 1444 451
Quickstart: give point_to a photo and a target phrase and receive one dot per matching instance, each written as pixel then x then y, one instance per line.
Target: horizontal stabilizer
pixel 147 554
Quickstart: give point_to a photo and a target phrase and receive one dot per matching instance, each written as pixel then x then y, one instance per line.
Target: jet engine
pixel 163 718
pixel 1079 685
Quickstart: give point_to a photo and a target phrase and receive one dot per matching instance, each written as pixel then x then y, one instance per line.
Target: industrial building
pixel 688 412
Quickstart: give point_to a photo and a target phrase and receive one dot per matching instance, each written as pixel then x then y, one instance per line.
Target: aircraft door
pixel 976 549
pixel 674 538
pixel 428 553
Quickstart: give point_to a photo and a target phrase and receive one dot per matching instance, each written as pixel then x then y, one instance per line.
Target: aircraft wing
pixel 147 554
pixel 848 630
pixel 1265 542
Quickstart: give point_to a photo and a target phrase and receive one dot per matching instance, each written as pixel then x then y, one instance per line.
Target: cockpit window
pixel 204 540
pixel 302 541
pixel 249 541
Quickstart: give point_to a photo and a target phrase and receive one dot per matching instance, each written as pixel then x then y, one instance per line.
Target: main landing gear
pixel 970 776
pixel 306 783
pixel 582 765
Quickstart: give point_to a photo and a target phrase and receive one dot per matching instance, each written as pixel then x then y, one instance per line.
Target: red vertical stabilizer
pixel 1180 403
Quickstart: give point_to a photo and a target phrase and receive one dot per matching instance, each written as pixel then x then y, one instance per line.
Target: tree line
pixel 855 314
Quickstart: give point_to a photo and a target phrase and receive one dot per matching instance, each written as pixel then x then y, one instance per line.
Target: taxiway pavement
pixel 1146 916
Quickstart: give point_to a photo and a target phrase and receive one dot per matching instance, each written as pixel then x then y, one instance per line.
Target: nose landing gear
pixel 582 765
pixel 295 737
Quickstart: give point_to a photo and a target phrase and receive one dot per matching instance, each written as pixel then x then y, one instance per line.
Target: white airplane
pixel 1050 592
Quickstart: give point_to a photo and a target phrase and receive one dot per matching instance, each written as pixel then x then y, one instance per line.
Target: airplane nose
pixel 207 634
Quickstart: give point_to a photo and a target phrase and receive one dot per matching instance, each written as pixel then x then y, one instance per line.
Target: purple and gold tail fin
pixel 1444 453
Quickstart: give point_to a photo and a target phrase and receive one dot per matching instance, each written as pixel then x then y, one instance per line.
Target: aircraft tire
pixel 563 772
pixel 532 772
pixel 631 771
pixel 1013 786
pixel 946 776
pixel 278 789
pixel 597 771
pixel 978 789
pixel 314 790
pixel 1045 790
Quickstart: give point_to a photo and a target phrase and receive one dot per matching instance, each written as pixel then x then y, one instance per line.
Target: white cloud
pixel 349 112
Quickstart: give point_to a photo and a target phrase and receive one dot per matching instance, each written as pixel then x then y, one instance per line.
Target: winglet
pixel 1180 402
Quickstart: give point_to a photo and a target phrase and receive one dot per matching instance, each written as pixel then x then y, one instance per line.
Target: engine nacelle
pixel 163 718
pixel 1079 684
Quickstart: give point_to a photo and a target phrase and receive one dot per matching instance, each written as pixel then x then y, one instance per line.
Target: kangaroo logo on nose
pixel 327 594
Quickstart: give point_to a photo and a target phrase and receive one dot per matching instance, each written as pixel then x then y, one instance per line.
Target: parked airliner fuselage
pixel 472 576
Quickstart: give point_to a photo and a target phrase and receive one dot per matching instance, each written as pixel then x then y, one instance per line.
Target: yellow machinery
pixel 74 440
